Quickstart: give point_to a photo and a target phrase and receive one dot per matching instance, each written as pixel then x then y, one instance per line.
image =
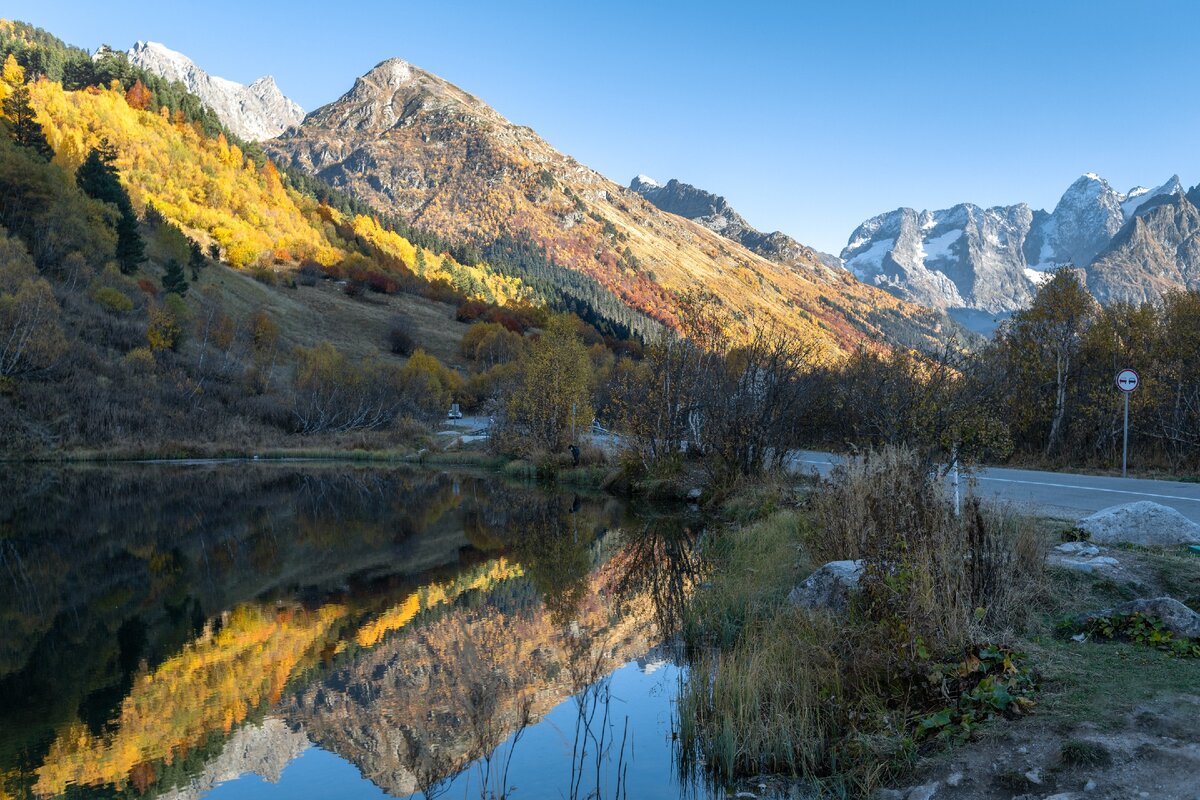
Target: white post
pixel 957 500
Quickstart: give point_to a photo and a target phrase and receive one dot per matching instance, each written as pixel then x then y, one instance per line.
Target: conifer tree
pixel 98 178
pixel 18 110
pixel 174 281
pixel 196 259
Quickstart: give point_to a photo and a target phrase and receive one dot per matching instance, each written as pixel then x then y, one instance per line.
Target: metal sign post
pixel 1127 381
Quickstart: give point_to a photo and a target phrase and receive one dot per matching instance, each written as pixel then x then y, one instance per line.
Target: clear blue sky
pixel 809 117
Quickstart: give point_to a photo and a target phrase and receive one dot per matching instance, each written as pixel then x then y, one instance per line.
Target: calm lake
pixel 298 630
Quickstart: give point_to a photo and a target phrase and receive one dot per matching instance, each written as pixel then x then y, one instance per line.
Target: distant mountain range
pixel 255 112
pixel 714 212
pixel 978 262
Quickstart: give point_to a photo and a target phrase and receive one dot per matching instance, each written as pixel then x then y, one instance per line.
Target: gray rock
pixel 1086 565
pixel 829 587
pixel 1142 523
pixel 694 493
pixel 1175 615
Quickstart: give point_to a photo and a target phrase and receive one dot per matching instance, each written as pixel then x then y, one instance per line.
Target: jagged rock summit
pixel 990 261
pixel 256 112
pixel 714 212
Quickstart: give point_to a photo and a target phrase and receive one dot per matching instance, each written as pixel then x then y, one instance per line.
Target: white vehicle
pixel 455 412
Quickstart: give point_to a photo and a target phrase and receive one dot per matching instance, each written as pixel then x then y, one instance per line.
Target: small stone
pixel 1023 750
pixel 1090 786
pixel 925 792
pixel 1060 796
pixel 1034 776
pixel 694 493
pixel 954 779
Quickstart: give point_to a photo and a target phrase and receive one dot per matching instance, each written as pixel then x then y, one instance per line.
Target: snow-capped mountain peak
pixel 255 112
pixel 644 182
pixel 992 260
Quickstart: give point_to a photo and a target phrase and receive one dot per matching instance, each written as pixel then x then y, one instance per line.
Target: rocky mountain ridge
pixel 714 212
pixel 255 112
pixel 991 260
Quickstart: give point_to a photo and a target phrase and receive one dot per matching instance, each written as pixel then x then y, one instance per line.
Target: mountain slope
pixel 714 212
pixel 411 143
pixel 992 260
pixel 255 112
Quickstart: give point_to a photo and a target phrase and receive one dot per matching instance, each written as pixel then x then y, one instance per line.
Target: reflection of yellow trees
pixel 208 687
pixel 433 595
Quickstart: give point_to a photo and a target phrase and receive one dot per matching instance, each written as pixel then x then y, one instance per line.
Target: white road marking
pixel 1091 488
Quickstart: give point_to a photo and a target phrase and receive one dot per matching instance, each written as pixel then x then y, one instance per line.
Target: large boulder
pixel 1175 615
pixel 828 588
pixel 1144 523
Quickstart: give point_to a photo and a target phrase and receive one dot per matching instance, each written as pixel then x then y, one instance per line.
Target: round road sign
pixel 1127 380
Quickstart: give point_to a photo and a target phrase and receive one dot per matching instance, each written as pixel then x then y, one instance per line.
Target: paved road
pixel 1056 493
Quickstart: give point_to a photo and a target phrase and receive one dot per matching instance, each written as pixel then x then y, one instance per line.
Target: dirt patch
pixel 1153 752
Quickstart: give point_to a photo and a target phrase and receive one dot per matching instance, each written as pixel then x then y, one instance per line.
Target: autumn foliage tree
pixel 138 97
pixel 552 402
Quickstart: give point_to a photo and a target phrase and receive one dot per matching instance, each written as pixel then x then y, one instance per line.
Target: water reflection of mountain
pixel 422 706
pixel 156 614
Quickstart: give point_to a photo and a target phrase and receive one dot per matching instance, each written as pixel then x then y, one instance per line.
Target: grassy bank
pixel 957 625
pixel 844 701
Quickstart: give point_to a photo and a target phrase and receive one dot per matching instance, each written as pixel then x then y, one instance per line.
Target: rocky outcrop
pixel 828 588
pixel 714 212
pixel 255 112
pixel 1143 523
pixel 1176 617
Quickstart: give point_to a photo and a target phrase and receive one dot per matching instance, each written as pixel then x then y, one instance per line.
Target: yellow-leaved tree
pixel 552 402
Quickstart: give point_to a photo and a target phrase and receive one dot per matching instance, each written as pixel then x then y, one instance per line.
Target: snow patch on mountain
pixel 256 112
pixel 868 263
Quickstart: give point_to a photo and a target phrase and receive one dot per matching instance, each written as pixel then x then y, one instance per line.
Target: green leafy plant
pixel 1145 630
